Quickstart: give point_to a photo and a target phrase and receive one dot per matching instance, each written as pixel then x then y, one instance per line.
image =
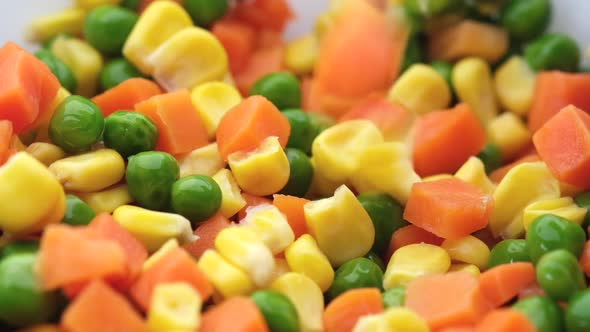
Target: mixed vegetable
pixel 409 165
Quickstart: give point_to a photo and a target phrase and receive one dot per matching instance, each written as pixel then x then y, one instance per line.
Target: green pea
pixel 509 251
pixel 107 28
pixel 445 69
pixel 549 232
pixel 206 12
pixel 371 255
pixel 131 4
pixel 303 131
pixel 413 53
pixel 583 201
pixel 387 217
pixel 560 275
pixel 281 88
pixel 301 173
pixel 78 213
pixel 394 297
pixel 63 73
pixel 526 19
pixel 543 312
pixel 356 273
pixel 414 20
pixel 278 311
pixel 577 314
pixel 76 125
pixel 428 7
pixel 117 71
pixel 196 197
pixel 130 133
pixel 491 156
pixel 553 51
pixel 150 176
pixel 20 247
pixel 22 301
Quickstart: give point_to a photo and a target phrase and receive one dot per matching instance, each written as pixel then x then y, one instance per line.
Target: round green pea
pixel 107 28
pixel 63 73
pixel 356 273
pixel 116 72
pixel 22 301
pixel 206 12
pixel 560 275
pixel 130 133
pixel 543 312
pixel 283 89
pixel 413 53
pixel 386 215
pixel 394 297
pixel 491 157
pixel 509 251
pixel 577 314
pixel 303 131
pixel 549 232
pixel 371 255
pixel 76 125
pixel 131 4
pixel 78 213
pixel 150 176
pixel 526 19
pixel 278 311
pixel 20 247
pixel 196 197
pixel 553 51
pixel 583 201
pixel 301 173
pixel 428 8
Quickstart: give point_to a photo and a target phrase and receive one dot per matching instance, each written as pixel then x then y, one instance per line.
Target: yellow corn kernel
pixel 305 257
pixel 473 171
pixel 160 21
pixel 231 196
pixel 227 279
pixel 515 85
pixel 91 4
pixel 281 268
pixel 320 186
pixel 46 153
pixel 84 60
pixel 204 160
pixel 301 54
pixel 271 225
pixel 437 177
pixel 188 58
pixel 386 167
pixel 89 172
pixel 469 250
pixel 470 268
pixel 404 320
pixel 264 171
pixel 107 200
pixel 421 89
pixel 337 150
pixel 340 225
pixel 473 83
pixel 509 133
pixel 563 207
pixel 153 228
pixel 69 21
pixel 31 196
pixel 370 323
pixel 307 298
pixel 212 100
pixel 161 252
pixel 524 184
pixel 415 260
pixel 41 125
pixel 244 248
pixel 175 307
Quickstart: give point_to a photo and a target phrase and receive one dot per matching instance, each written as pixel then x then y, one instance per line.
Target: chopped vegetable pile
pixel 407 166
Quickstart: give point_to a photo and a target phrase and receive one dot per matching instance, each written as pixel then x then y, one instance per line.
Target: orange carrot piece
pixel 555 90
pixel 343 312
pixel 502 283
pixel 207 232
pixel 251 200
pixel 292 207
pixel 126 95
pixel 265 14
pixel 262 61
pixel 246 125
pixel 563 143
pixel 180 127
pixel 5 140
pixel 445 300
pixel 448 208
pixel 458 329
pixel 505 320
pixel 98 309
pixel 498 175
pixel 176 266
pixel 239 41
pixel 444 140
pixel 237 314
pixel 585 259
pixel 411 234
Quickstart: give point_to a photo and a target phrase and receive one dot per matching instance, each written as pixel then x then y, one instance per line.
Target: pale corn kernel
pixel 271 225
pixel 167 247
pixel 84 60
pixel 281 268
pixel 212 100
pixel 301 54
pixel 473 171
pixel 472 80
pixel 305 257
pixel 307 298
pixel 205 160
pixel 231 199
pixel 174 307
pixel 228 280
pixel 515 82
pixel 370 323
pixel 320 186
pixel 414 261
pixel 470 268
pixel 46 153
pixel 564 207
pixel 437 177
pixel 107 200
pixel 469 249
pixel 69 21
pixel 510 134
pixel 404 320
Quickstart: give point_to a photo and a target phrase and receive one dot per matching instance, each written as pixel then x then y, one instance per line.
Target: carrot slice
pixel 263 61
pixel 444 140
pixel 176 266
pixel 563 143
pixel 251 200
pixel 447 299
pixel 207 231
pixel 265 14
pixel 126 95
pixel 292 208
pixel 239 41
pixel 180 127
pixel 448 208
pixel 458 329
pixel 411 234
pixel 237 314
pixel 555 90
pixel 98 309
pixel 503 282
pixel 343 312
pixel 246 125
pixel 5 140
pixel 585 259
pixel 505 320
